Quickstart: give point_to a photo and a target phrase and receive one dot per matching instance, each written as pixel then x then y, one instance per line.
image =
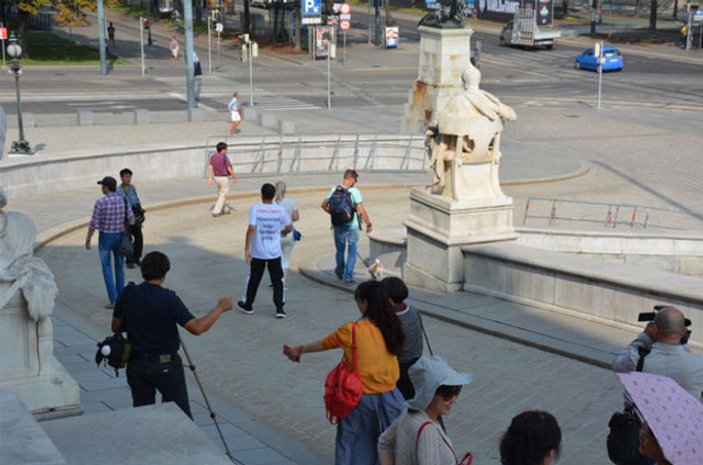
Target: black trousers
pixel 145 377
pixel 256 272
pixel 404 385
pixel 138 240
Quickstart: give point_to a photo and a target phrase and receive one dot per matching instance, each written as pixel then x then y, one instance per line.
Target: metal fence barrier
pixel 606 215
pixel 313 154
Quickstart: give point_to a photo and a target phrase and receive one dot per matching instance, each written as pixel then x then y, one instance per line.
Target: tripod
pixel 207 402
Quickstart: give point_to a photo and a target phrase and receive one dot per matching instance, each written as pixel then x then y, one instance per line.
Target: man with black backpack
pixel 345 206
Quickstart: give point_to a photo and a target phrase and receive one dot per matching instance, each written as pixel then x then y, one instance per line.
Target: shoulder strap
pixel 355 362
pixel 427 340
pixel 125 293
pixel 417 440
pixel 126 206
pixel 643 351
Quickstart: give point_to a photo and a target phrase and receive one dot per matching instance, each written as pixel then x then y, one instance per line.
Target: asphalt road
pixel 370 77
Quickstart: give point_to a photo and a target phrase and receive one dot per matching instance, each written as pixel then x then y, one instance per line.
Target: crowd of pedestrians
pixel 403 395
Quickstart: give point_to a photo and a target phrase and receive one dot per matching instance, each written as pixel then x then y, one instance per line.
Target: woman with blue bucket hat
pixel 416 437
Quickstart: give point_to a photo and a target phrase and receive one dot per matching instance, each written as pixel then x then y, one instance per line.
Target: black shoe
pixel 138 262
pixel 280 313
pixel 245 308
pixel 340 276
pixel 130 266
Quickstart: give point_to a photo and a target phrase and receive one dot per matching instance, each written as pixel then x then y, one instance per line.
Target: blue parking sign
pixel 312 7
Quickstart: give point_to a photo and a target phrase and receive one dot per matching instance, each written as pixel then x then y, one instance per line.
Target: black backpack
pixel 115 350
pixel 118 350
pixel 341 205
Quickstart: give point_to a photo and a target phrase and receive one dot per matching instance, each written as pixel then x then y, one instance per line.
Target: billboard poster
pixel 545 12
pixel 324 36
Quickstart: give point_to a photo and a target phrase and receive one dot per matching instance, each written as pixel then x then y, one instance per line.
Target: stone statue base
pixel 28 366
pixel 438 228
pixel 444 55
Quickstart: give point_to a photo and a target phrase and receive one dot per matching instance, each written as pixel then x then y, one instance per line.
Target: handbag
pixel 468 459
pixel 126 246
pixel 343 388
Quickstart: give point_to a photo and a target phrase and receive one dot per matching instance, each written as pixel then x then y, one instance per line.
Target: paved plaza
pixel 643 147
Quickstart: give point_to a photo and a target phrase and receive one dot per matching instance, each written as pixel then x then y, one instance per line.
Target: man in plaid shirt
pixel 108 218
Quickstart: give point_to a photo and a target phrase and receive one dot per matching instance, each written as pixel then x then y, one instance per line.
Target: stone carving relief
pixel 464 141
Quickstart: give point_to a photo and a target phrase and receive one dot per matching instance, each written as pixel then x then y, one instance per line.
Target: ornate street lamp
pixel 15 51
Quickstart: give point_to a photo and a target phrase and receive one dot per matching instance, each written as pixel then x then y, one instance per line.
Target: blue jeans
pixel 343 234
pixel 109 243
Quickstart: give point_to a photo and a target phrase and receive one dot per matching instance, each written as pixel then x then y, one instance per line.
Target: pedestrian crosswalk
pixel 269 101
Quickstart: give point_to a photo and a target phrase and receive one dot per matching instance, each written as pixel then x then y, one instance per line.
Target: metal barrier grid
pixel 607 215
pixel 308 154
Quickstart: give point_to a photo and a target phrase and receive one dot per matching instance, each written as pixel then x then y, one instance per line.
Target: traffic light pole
pixel 101 38
pixel 141 43
pixel 190 78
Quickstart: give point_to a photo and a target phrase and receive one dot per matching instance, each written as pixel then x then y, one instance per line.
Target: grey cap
pixel 429 373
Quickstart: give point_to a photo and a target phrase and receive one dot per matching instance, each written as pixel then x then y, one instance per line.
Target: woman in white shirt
pixel 416 436
pixel 288 241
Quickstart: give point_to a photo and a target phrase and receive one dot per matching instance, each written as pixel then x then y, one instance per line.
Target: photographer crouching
pixel 661 349
pixel 149 313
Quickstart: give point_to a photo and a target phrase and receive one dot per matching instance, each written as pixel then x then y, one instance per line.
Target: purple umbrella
pixel 674 416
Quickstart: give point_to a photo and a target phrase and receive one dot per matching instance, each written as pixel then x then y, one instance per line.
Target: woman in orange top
pixel 379 337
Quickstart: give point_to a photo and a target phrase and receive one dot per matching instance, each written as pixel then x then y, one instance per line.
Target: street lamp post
pixel 14 50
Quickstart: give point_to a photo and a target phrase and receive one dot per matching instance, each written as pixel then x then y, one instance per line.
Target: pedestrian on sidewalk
pixel 111 215
pixel 149 313
pixel 197 69
pixel 287 241
pixel 235 110
pixel 533 437
pixel 417 436
pixel 174 48
pixel 344 204
pixel 268 222
pixel 412 327
pixel 379 337
pixel 129 192
pixel 111 34
pixel 220 169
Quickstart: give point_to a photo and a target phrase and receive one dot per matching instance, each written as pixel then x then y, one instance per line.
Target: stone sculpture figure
pixel 464 142
pixel 19 269
pixel 447 15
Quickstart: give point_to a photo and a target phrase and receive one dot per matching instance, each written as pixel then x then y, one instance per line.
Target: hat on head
pixel 429 373
pixel 109 182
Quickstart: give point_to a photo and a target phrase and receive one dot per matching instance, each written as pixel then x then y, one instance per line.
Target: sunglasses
pixel 449 392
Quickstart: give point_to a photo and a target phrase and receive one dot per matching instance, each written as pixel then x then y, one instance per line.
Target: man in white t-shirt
pixel 267 223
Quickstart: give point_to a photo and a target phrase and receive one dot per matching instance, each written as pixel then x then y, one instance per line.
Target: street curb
pixel 53 233
pixel 481 325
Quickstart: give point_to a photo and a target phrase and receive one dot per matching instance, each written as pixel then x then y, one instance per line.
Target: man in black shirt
pixel 149 313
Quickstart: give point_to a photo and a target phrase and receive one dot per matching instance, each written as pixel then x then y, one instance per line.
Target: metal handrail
pixel 405 153
pixel 639 214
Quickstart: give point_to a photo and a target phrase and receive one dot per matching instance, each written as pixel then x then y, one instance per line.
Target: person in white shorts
pixel 235 111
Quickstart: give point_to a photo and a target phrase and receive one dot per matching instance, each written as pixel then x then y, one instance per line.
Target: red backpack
pixel 343 388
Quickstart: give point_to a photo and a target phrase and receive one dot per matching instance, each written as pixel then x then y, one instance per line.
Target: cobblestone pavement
pixel 240 360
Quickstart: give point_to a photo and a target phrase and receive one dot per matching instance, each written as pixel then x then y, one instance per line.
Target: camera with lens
pixel 649 316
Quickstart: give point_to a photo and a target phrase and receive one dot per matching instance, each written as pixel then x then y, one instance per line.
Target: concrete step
pixel 157 434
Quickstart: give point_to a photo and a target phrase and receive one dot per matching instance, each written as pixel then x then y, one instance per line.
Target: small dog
pixel 376 270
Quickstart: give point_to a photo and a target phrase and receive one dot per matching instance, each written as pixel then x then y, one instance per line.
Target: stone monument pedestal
pixel 437 229
pixel 444 55
pixel 28 365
